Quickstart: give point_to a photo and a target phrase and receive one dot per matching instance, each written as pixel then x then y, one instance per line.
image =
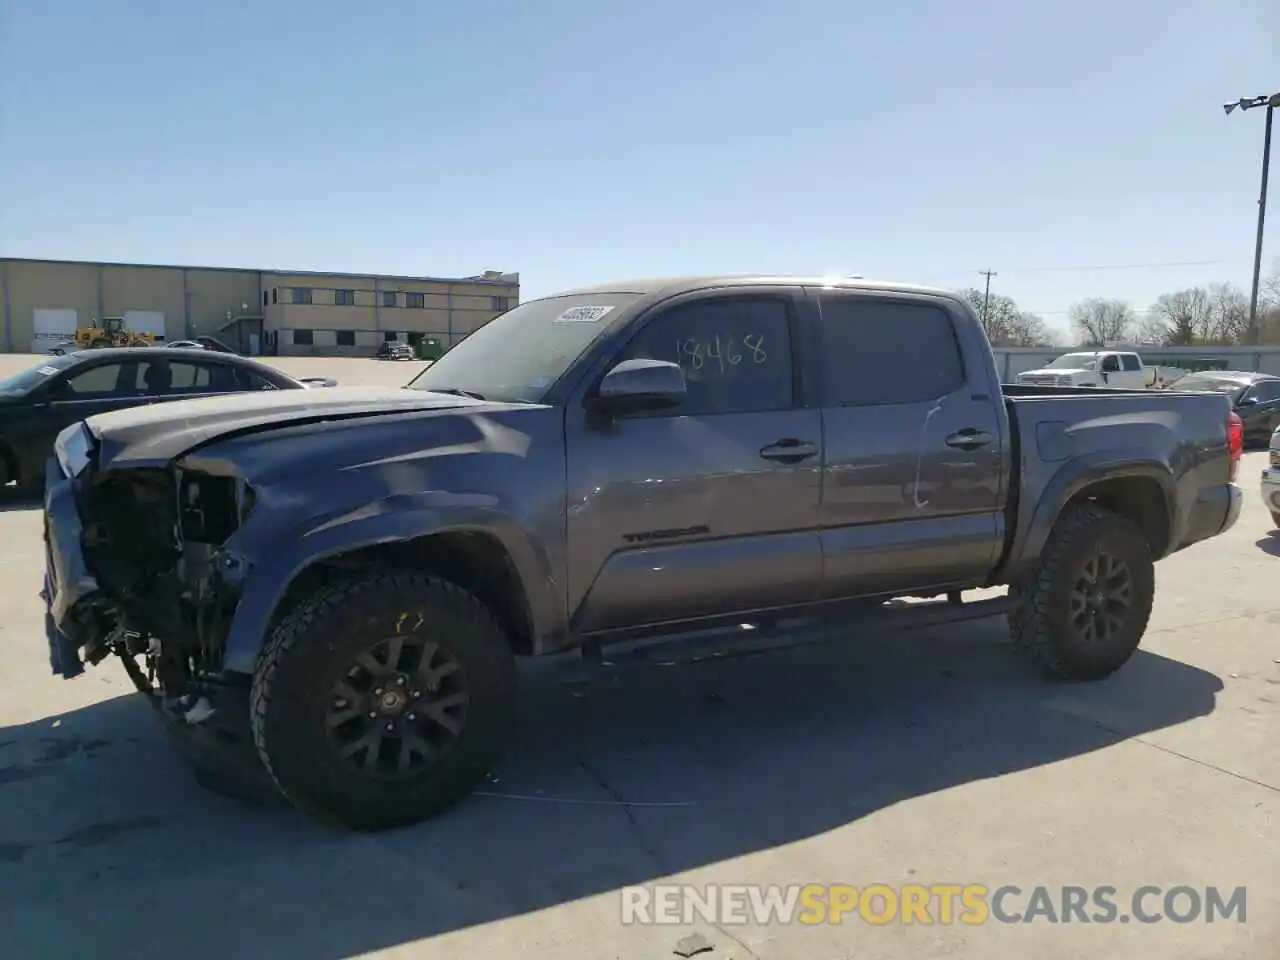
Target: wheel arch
pixel 492 558
pixel 1142 491
pixel 475 560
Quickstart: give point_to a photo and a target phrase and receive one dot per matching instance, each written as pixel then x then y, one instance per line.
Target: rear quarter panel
pixel 1067 441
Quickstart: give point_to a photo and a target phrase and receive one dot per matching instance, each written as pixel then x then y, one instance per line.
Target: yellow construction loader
pixel 110 332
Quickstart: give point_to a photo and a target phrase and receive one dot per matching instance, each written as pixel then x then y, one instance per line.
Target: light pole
pixel 1248 103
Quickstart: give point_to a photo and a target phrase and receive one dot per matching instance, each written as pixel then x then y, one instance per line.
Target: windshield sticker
pixel 47 371
pixel 582 315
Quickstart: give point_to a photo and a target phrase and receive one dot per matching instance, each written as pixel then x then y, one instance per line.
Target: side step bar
pixel 781 633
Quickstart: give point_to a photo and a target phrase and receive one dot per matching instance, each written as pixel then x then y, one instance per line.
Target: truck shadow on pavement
pixel 628 776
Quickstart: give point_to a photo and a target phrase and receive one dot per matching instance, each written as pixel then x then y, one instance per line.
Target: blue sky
pixel 578 142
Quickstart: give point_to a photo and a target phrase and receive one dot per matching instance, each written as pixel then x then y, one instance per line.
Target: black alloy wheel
pixel 1102 597
pixel 400 705
pixel 382 698
pixel 1082 608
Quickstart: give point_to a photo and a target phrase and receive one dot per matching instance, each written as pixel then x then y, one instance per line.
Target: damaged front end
pixel 135 567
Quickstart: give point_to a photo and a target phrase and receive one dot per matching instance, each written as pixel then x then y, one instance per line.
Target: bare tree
pixel 1269 308
pixel 1153 327
pixel 1101 321
pixel 1269 290
pixel 1228 314
pixel 1004 324
pixel 994 311
pixel 1185 315
pixel 1030 330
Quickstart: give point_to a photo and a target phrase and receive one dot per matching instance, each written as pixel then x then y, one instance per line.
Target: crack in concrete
pixel 1124 737
pixel 1210 623
pixel 645 845
pixel 1204 763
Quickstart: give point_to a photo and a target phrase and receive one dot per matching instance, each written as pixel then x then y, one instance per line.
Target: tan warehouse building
pixel 42 302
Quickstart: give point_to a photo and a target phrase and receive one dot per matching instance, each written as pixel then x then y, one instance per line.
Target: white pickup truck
pixel 1095 368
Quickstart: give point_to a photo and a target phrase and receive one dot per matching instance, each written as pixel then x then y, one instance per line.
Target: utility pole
pixel 986 296
pixel 1246 103
pixel 1262 220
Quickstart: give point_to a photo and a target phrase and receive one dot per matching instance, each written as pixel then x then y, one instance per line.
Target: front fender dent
pixel 392 520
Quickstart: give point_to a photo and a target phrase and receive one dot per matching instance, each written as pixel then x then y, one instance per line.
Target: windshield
pixel 29 379
pixel 1074 361
pixel 518 356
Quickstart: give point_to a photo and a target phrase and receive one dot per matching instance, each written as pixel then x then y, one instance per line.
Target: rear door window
pixel 887 352
pixel 190 377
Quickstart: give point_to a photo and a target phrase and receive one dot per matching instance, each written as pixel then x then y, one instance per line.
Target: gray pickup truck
pixel 340 581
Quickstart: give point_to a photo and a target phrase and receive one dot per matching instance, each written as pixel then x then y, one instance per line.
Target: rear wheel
pixel 1275 520
pixel 1082 611
pixel 381 700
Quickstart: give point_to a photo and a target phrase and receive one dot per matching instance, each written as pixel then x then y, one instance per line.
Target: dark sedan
pixel 1255 397
pixel 37 403
pixel 395 350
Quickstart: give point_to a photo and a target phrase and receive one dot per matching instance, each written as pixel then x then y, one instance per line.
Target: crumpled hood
pixel 154 434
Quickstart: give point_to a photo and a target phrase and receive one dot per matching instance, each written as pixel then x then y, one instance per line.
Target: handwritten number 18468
pixel 721 352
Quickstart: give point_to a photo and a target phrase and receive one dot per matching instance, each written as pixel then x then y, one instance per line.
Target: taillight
pixel 1235 442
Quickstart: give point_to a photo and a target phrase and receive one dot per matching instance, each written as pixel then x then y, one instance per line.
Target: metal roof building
pixel 288 312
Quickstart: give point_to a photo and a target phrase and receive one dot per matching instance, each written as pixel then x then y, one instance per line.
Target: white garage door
pixel 145 321
pixel 51 326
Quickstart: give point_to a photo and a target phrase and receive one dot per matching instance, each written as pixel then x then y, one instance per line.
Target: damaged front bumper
pixel 70 591
pixel 210 722
pixel 134 566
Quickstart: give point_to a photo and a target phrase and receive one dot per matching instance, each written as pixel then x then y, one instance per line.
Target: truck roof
pixel 661 287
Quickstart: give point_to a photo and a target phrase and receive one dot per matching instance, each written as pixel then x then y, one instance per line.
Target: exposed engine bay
pixel 154 546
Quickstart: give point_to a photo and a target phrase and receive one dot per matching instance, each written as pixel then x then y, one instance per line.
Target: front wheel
pixel 1082 610
pixel 383 699
pixel 1275 520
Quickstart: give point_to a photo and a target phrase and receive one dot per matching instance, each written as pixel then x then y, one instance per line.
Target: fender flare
pixel 266 582
pixel 1034 526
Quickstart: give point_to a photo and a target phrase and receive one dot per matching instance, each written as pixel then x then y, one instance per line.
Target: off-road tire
pixel 329 629
pixel 1041 619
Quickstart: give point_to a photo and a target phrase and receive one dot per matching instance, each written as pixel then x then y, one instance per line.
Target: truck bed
pixel 1170 449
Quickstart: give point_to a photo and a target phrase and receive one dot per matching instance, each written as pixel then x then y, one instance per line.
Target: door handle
pixel 969 439
pixel 789 450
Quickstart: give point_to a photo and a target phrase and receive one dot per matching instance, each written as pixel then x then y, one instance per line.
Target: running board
pixel 759 634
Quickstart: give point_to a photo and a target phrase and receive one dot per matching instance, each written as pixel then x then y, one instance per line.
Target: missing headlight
pixel 211 508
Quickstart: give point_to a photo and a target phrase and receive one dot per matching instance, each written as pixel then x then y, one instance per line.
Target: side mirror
pixel 636 385
pixel 1246 401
